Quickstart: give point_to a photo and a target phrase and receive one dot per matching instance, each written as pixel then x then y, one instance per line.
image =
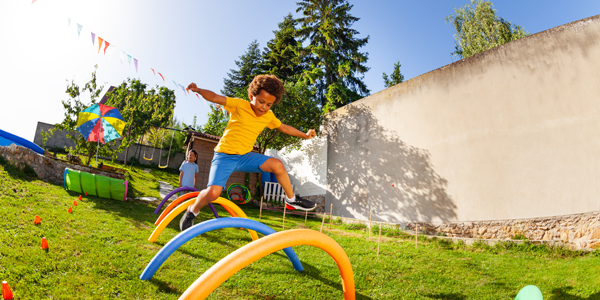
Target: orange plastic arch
pixel 251 252
pixel 181 208
pixel 174 204
pixel 181 199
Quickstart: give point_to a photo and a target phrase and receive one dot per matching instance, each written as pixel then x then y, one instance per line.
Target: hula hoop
pixel 246 191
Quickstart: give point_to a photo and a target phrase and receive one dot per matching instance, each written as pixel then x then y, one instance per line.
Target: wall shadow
pixel 364 160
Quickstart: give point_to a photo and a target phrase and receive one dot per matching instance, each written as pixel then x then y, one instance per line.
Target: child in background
pixel 188 175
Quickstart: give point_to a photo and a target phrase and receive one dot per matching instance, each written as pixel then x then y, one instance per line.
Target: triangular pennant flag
pixel 129 59
pixel 122 56
pixel 161 76
pixel 93 38
pixel 100 40
pixel 79 29
pixel 197 96
pixel 106 44
pixel 181 86
pixel 68 21
pixel 111 50
pixel 187 90
pixel 153 71
pixel 135 62
pixel 175 83
pixel 32 2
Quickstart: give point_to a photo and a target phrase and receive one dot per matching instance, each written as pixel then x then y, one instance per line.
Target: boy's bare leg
pixel 205 197
pixel 275 166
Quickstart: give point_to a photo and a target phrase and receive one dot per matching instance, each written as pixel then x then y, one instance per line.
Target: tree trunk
pixel 126 154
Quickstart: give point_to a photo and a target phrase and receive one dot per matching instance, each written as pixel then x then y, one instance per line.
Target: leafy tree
pixel 249 66
pixel 141 109
pixel 73 106
pixel 217 121
pixel 282 57
pixel 395 78
pixel 298 108
pixel 479 29
pixel 334 57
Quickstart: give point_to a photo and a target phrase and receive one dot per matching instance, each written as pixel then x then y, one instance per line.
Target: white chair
pixel 274 192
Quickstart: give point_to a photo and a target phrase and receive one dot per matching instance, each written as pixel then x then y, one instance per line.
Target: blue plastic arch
pixel 207 226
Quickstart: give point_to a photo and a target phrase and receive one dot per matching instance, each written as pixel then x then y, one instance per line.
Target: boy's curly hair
pixel 269 83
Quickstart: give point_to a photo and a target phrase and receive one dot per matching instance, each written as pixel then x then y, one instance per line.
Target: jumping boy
pixel 234 151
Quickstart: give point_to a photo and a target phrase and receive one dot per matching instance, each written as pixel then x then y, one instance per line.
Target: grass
pixel 100 250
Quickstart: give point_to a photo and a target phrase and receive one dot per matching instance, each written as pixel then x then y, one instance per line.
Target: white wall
pixel 509 133
pixel 307 167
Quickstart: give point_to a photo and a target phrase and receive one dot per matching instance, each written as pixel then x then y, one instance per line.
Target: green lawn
pixel 100 250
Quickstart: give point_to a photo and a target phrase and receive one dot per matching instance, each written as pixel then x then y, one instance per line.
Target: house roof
pixel 104 98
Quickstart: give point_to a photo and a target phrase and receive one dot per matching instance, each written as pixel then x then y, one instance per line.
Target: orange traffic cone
pixel 70 210
pixel 37 220
pixel 86 193
pixel 79 198
pixel 44 243
pixel 6 292
pixel 75 203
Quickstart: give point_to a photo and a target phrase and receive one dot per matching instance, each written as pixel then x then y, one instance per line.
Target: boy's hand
pixel 192 86
pixel 311 134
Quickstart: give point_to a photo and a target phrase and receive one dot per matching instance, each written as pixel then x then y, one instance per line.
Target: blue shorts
pixel 222 165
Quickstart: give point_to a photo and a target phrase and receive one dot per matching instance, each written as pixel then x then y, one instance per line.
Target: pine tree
pixel 395 78
pixel 249 66
pixel 334 56
pixel 281 56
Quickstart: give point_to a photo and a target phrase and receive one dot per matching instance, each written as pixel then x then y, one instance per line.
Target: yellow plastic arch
pixel 183 198
pixel 251 252
pixel 181 208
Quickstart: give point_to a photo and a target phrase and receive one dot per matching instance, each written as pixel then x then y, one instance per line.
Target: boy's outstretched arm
pixel 208 95
pixel 289 130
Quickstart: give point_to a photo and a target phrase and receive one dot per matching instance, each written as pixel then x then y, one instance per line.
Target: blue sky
pixel 200 40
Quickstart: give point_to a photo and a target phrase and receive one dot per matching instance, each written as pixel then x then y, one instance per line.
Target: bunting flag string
pixel 108 47
pixel 106 44
pixel 122 56
pixel 100 40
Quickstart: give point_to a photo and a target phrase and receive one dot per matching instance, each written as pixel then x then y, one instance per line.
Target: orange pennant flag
pixel 163 77
pixel 106 44
pixel 153 71
pixel 100 40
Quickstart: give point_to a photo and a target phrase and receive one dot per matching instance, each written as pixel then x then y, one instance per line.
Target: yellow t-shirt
pixel 243 127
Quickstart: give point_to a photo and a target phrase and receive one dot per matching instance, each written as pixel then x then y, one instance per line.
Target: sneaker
pixel 187 220
pixel 301 204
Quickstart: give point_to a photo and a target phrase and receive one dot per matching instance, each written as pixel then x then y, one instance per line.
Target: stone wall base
pixel 577 232
pixel 47 168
